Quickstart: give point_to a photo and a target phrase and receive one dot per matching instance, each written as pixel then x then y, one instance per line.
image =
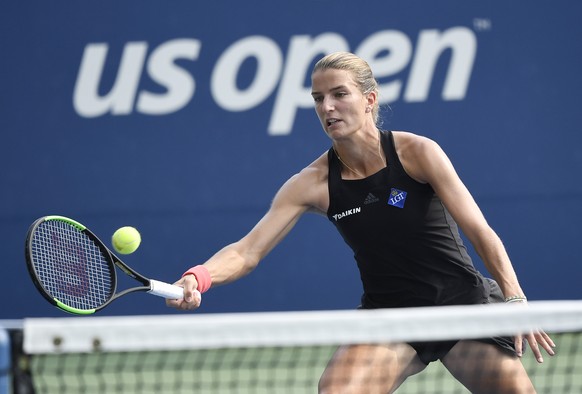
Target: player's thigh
pixel 369 369
pixel 486 368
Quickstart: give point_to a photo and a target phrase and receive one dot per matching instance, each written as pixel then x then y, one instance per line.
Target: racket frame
pixel 152 286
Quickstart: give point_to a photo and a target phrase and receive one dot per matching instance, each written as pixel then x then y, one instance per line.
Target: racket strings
pixel 70 266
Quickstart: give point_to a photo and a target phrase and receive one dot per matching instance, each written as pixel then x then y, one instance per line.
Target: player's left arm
pixel 425 161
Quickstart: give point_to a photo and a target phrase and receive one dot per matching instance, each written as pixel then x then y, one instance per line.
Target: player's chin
pixel 337 130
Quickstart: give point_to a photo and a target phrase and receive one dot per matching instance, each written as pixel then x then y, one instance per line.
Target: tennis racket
pixel 76 272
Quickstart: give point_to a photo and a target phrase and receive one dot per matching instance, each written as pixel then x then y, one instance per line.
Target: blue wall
pixel 183 120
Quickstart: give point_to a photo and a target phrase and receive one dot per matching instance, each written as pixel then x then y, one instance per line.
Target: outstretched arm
pixel 300 193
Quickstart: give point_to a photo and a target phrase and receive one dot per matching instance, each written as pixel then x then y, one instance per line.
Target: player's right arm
pixel 305 191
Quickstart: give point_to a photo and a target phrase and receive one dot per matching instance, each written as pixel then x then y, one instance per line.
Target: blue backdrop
pixel 183 119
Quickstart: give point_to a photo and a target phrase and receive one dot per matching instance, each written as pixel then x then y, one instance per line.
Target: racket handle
pixel 166 290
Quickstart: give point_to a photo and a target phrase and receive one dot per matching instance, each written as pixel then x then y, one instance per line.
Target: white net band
pixel 207 331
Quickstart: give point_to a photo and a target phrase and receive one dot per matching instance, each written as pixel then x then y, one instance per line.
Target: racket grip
pixel 166 290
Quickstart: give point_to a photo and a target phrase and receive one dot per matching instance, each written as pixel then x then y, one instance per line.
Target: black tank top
pixel 406 244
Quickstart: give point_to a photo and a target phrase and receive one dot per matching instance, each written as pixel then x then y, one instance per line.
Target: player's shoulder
pixel 313 175
pixel 316 171
pixel 409 144
pixel 418 154
pixel 308 187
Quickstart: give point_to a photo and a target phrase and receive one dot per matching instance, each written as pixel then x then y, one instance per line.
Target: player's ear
pixel 371 99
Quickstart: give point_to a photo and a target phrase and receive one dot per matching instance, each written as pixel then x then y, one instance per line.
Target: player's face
pixel 339 104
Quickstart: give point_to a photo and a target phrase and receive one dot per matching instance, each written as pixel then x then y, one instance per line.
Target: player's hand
pixel 192 297
pixel 536 339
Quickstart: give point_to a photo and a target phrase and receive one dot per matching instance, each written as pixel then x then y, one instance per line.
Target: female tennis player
pixel 397 201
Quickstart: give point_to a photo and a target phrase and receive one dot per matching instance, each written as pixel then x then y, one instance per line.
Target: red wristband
pixel 202 276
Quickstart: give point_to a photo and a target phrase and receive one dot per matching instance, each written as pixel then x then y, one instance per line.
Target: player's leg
pixel 486 368
pixel 369 369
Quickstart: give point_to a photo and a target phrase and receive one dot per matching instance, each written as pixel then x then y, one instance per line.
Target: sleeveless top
pixel 405 242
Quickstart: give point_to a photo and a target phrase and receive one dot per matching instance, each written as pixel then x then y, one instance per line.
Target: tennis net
pixel 275 352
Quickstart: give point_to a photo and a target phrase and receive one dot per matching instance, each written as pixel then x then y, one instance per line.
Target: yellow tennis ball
pixel 126 240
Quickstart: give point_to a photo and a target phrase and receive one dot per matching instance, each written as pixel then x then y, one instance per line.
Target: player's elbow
pixel 244 259
pixel 251 261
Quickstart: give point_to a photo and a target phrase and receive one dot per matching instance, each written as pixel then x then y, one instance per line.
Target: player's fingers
pixel 192 297
pixel 193 304
pixel 183 305
pixel 546 342
pixel 190 285
pixel 173 303
pixel 533 344
pixel 197 297
pixel 518 342
pixel 176 303
pixel 548 339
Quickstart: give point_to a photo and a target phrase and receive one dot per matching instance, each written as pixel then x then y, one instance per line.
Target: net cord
pixel 206 331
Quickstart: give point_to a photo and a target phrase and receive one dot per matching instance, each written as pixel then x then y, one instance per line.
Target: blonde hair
pixel 360 70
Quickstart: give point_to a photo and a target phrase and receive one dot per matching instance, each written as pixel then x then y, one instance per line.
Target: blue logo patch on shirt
pixel 397 198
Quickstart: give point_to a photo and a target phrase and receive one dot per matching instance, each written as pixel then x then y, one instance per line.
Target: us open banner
pixel 183 120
